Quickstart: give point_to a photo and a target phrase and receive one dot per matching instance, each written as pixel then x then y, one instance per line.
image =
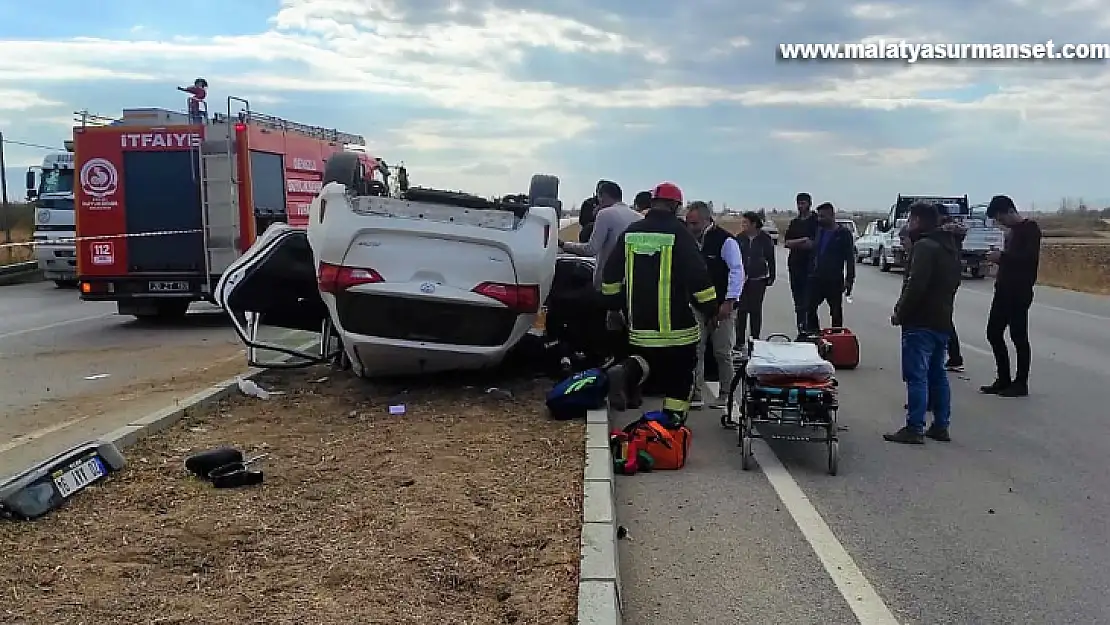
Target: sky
pixel 480 95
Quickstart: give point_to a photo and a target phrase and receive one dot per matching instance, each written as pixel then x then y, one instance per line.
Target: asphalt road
pixel 71 370
pixel 1006 524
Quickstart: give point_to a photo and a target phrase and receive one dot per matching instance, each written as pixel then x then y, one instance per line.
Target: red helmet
pixel 667 191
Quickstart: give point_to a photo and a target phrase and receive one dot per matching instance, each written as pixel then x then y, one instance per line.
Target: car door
pixel 274 285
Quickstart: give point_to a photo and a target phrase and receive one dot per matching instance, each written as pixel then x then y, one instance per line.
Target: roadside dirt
pixel 466 509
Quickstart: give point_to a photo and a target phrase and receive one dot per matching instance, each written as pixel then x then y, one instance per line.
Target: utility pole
pixel 5 208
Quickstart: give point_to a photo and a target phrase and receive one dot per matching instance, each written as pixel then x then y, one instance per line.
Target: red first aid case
pixel 844 352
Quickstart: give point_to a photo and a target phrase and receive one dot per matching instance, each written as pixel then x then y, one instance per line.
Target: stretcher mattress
pixel 798 360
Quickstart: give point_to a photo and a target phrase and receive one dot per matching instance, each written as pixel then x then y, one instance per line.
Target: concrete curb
pixel 599 585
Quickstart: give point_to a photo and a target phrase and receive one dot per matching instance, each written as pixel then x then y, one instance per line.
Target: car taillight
pixel 523 298
pixel 335 279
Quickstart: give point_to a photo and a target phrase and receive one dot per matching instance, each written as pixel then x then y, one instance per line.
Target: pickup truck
pixel 982 236
pixel 400 279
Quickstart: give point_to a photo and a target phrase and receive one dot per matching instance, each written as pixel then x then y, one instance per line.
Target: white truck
pixel 982 236
pixel 50 189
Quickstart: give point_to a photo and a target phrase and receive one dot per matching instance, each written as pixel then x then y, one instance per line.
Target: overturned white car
pixel 400 280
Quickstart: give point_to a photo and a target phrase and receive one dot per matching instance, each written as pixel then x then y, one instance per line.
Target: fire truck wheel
pixel 346 169
pixel 544 191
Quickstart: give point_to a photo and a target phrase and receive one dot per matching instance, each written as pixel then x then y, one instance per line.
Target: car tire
pixel 543 190
pixel 346 169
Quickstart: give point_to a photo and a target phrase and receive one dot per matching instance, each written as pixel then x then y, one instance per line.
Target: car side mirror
pixel 30 181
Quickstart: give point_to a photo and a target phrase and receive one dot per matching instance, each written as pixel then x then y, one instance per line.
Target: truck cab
pixel 981 236
pixel 50 190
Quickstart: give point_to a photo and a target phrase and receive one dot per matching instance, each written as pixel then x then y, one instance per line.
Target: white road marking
pixel 865 602
pixel 23 439
pixel 861 596
pixel 51 326
pixel 1036 304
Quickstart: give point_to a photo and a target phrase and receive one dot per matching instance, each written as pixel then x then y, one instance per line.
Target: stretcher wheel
pixel 834 456
pixel 746 453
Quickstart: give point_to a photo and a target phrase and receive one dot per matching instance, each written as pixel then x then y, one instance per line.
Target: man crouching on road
pixel 657 276
pixel 924 311
pixel 721 252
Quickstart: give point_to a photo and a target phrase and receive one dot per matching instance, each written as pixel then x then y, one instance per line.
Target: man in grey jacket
pixel 613 216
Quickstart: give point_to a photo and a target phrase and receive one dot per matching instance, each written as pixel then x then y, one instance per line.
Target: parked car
pixel 401 280
pixel 772 230
pixel 867 245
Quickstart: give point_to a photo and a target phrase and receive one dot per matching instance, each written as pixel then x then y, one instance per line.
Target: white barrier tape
pixel 99 237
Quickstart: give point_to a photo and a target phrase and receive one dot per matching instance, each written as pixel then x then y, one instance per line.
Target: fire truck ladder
pixel 219 198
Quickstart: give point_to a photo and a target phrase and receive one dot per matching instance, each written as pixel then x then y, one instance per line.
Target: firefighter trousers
pixel 668 371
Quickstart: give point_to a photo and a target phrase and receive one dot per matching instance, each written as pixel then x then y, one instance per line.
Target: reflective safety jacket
pixel 656 274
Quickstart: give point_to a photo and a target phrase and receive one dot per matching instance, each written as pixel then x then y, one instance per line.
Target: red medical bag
pixel 845 347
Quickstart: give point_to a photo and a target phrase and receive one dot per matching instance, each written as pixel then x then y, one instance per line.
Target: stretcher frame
pixel 807 406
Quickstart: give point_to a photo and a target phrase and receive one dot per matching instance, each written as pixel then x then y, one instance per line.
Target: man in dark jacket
pixel 1013 296
pixel 800 235
pixel 656 275
pixel 832 270
pixel 587 215
pixel 924 312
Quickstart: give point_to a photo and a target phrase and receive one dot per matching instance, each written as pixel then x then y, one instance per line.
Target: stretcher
pixel 787 384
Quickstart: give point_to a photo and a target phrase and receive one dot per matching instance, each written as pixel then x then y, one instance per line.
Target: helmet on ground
pixel 667 191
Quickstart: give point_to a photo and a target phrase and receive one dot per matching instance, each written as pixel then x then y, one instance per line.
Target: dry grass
pixel 465 510
pixel 19 253
pixel 1077 266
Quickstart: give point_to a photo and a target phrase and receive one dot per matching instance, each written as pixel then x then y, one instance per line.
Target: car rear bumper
pixel 374 356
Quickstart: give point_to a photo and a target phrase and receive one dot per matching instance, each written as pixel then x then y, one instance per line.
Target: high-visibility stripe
pixel 664 293
pixel 675 405
pixel 610 288
pixel 706 295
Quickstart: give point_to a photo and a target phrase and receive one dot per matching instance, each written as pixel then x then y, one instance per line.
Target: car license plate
pixel 78 476
pixel 168 286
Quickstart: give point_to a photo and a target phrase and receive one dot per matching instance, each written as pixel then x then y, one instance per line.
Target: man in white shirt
pixel 722 256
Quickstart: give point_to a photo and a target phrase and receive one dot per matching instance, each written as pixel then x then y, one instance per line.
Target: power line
pixel 33 145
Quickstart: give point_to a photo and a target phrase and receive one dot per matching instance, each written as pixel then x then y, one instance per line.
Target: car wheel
pixel 544 191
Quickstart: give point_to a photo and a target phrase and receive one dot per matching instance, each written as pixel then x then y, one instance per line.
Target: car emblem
pixel 428 287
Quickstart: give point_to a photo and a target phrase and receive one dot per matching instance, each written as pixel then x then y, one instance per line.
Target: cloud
pixel 482 94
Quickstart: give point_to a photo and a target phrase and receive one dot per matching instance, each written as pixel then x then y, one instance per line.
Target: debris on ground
pixel 468 510
pixel 250 388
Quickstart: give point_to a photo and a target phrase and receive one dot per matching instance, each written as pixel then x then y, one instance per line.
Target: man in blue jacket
pixel 832 269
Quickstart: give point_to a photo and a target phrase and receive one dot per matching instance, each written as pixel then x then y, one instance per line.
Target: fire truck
pixel 164 204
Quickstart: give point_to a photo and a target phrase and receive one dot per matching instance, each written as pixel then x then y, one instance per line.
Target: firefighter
pixel 656 276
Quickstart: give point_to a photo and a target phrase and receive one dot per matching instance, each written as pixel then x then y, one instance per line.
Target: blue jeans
pixel 923 356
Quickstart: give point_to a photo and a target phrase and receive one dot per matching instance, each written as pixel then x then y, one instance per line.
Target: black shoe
pixel 1016 389
pixel 994 388
pixel 956 366
pixel 618 387
pixel 906 436
pixel 938 434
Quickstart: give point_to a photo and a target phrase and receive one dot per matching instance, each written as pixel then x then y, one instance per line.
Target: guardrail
pixel 18 272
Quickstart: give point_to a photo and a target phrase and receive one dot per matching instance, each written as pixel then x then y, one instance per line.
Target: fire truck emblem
pixel 99 178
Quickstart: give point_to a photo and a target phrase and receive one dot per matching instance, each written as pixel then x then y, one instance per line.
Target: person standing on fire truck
pixel 657 276
pixel 197 93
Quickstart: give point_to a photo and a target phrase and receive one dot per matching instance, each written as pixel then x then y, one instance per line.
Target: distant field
pixel 20 218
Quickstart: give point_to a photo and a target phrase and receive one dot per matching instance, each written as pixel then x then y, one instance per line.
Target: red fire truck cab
pixel 163 206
